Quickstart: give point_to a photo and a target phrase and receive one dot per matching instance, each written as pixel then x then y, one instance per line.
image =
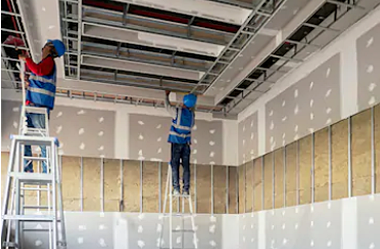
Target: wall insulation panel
pixel 305 169
pixel 248 186
pixel 4 171
pixel 279 178
pixel 232 190
pixel 241 170
pixel 268 183
pixel 131 186
pixel 91 184
pixel 321 163
pixel 150 187
pixel 257 185
pixel 111 185
pixel 220 189
pixel 71 169
pixel 340 160
pixel 377 146
pixel 361 153
pixel 203 189
pixel 291 174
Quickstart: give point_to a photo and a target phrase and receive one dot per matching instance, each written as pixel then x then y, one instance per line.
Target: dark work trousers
pixel 181 152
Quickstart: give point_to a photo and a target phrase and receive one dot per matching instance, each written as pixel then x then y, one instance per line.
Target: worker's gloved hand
pixel 22 57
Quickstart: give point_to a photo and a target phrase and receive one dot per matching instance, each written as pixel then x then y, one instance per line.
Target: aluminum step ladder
pixel 17 215
pixel 179 215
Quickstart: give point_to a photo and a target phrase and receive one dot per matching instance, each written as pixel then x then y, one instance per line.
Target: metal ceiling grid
pixel 320 29
pixel 101 28
pixel 13 42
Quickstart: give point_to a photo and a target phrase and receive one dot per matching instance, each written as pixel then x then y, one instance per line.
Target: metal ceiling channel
pixel 248 30
pixel 319 29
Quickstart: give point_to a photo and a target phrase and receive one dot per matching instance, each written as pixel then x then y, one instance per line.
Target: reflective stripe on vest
pixel 41 79
pixel 40 90
pixel 179 135
pixel 181 127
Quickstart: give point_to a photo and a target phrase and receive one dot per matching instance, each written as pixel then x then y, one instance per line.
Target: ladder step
pixel 33 140
pixel 35 189
pixel 37 230
pixel 183 215
pixel 183 230
pixel 182 196
pixel 36 110
pixel 35 158
pixel 10 244
pixel 37 218
pixel 32 177
pixel 37 207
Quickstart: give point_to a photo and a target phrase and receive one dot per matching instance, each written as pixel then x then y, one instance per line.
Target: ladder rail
pixel 181 214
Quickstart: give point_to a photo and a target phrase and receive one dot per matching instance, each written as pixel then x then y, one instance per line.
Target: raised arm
pixel 171 109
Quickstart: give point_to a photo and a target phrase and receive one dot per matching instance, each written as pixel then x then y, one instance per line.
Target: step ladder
pixel 176 215
pixel 18 217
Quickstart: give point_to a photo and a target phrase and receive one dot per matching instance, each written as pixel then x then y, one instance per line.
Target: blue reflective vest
pixel 41 90
pixel 180 131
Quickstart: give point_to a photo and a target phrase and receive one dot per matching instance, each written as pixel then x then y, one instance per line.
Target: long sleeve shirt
pixel 45 67
pixel 172 110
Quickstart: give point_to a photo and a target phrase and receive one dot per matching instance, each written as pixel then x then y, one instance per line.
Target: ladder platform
pixel 180 196
pixel 33 218
pixel 35 158
pixel 36 207
pixel 35 110
pixel 32 177
pixel 29 140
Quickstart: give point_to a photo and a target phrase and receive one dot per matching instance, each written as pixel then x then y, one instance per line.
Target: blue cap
pixel 59 47
pixel 190 100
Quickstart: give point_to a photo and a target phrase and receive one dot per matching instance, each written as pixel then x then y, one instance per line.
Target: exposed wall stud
pixel 273 179
pixel 141 186
pixel 212 189
pixel 159 186
pixel 349 163
pixel 195 189
pixel 81 184
pixel 298 173
pixel 312 168
pixel 237 189
pixel 245 187
pixel 121 206
pixel 102 183
pixel 253 184
pixel 262 182
pixel 284 163
pixel 373 152
pixel 330 162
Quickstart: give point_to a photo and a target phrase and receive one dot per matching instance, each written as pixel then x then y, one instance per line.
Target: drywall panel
pixel 242 175
pixel 249 186
pixel 91 184
pixel 279 178
pixel 321 165
pixel 305 169
pixel 233 190
pixel 248 139
pixel 203 189
pixel 268 181
pixel 377 146
pixel 91 135
pixel 368 66
pixel 308 226
pixel 111 185
pixel 219 189
pixel 148 139
pixel 257 184
pixel 71 186
pixel 339 138
pixel 292 174
pixel 308 105
pixel 150 187
pixel 361 153
pixel 368 217
pixel 132 186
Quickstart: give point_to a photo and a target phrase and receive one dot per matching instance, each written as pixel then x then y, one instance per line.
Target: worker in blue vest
pixel 180 139
pixel 41 87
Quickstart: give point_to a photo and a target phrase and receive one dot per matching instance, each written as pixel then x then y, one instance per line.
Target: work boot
pixel 185 192
pixel 175 192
